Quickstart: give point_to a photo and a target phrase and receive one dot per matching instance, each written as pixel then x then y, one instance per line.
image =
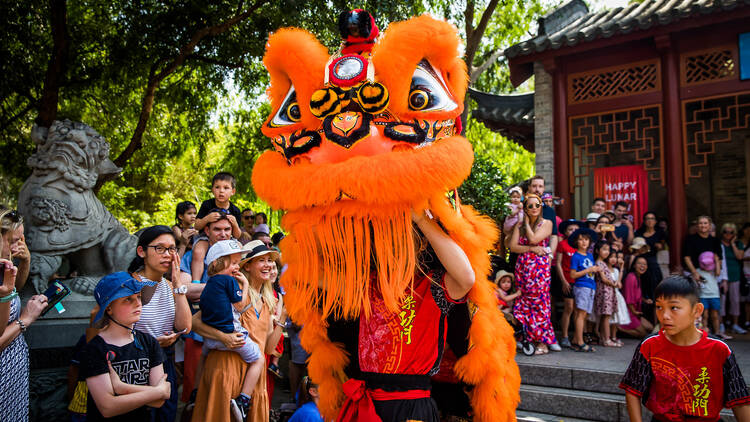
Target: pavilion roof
pixel 586 27
pixel 511 115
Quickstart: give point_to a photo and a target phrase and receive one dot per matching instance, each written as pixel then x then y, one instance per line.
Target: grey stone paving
pixel 617 359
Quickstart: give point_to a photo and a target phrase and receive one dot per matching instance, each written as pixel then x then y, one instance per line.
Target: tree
pixel 149 76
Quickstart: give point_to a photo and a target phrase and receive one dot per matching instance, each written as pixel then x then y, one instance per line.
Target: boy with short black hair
pixel 681 373
pixel 582 269
pixel 223 188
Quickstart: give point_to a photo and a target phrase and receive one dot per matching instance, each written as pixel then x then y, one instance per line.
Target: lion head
pixel 73 151
pixel 360 140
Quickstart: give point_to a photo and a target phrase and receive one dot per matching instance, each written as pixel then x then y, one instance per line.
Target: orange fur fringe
pixel 443 166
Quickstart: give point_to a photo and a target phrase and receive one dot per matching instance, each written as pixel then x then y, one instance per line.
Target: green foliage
pixel 484 188
pixel 114 46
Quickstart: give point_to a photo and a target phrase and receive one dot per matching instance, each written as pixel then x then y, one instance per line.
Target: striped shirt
pixel 157 316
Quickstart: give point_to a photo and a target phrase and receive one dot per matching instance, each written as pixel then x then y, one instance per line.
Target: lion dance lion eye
pixel 428 91
pixel 289 113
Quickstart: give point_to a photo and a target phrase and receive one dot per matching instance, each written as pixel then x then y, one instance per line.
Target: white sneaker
pixel 738 330
pixel 721 328
pixel 555 347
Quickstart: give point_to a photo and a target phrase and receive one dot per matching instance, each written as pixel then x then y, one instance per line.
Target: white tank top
pixel 157 316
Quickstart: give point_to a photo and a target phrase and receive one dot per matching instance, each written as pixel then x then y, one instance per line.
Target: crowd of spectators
pixel 200 307
pixel 183 315
pixel 595 277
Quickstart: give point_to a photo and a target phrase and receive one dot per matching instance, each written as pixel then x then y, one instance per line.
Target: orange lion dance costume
pixel 362 140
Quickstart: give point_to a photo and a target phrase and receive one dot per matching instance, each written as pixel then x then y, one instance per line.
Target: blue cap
pixel 114 286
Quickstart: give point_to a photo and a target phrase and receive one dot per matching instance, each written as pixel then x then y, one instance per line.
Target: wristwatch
pixel 181 290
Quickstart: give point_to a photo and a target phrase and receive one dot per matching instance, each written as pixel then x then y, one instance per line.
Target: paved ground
pixel 617 359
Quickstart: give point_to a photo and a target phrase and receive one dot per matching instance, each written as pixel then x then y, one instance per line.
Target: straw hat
pixel 502 273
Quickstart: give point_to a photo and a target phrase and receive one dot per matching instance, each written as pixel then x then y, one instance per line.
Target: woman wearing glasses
pixel 530 240
pixel 166 312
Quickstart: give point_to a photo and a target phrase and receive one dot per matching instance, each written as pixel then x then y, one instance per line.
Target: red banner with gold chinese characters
pixel 623 183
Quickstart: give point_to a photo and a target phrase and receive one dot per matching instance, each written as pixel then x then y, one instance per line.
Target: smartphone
pixel 55 293
pixel 607 227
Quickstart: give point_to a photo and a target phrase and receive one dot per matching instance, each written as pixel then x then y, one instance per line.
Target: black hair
pixel 224 176
pixel 744 226
pixel 276 238
pixel 580 235
pixel 677 286
pixel 262 214
pixel 642 228
pixel 598 199
pixel 599 245
pixel 258 235
pixel 621 204
pixel 304 391
pixel 147 236
pixel 246 209
pixel 182 208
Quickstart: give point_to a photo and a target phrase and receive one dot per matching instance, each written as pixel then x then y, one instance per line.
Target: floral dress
pixel 532 308
pixel 14 387
pixel 605 301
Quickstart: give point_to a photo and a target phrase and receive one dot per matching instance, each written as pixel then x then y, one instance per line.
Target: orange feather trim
pixel 396 56
pixel 443 166
pixel 294 57
pixel 489 365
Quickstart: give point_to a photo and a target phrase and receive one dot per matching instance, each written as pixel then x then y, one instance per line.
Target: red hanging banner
pixel 623 183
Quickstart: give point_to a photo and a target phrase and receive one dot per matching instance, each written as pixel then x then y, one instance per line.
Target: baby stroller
pixel 522 340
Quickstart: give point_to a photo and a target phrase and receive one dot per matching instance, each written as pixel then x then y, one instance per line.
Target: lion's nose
pixel 346 128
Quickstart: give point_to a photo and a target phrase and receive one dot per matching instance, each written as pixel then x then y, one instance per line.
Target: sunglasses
pixel 219 210
pixel 729 232
pixel 14 216
pixel 530 206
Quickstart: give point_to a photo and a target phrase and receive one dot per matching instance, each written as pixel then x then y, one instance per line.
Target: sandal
pixel 541 351
pixel 618 341
pixel 610 343
pixel 582 348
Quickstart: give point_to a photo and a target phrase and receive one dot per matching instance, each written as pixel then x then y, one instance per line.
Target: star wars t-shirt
pixel 131 363
pixel 581 262
pixel 685 382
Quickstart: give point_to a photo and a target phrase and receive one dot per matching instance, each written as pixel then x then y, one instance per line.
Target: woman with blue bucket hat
pixel 121 365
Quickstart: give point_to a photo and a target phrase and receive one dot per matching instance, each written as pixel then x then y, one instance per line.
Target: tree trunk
pixel 473 38
pixel 58 63
pixel 161 70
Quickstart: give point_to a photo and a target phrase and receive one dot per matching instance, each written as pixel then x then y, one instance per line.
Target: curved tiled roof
pixel 622 20
pixel 509 108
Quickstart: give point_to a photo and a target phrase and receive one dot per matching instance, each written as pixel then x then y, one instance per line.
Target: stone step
pixel 565 402
pixel 571 378
pixel 574 405
pixel 524 416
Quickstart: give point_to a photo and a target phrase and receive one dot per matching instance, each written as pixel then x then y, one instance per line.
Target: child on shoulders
pixel 223 188
pixel 681 373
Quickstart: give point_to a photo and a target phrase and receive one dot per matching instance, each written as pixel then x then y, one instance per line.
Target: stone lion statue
pixel 63 217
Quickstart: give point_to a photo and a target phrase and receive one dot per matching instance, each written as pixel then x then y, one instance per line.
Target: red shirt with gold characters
pixel 412 340
pixel 685 382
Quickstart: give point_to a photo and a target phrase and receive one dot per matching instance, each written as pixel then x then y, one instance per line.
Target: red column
pixel 561 145
pixel 672 148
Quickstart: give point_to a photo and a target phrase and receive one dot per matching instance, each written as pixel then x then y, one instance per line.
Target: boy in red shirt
pixel 682 374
